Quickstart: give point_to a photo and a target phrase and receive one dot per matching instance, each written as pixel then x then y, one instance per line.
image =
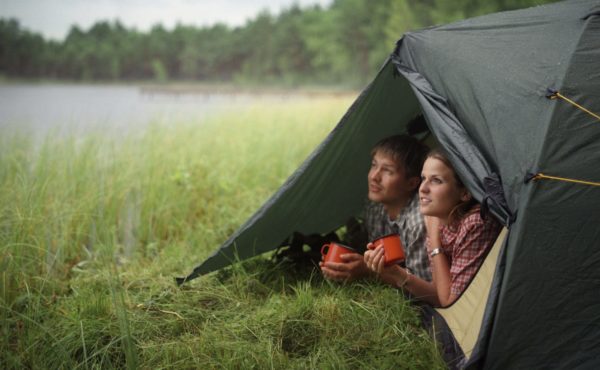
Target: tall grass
pixel 94 227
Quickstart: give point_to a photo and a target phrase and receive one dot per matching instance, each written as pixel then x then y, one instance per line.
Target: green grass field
pixel 93 229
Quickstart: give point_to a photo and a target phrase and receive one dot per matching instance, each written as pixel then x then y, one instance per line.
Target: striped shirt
pixel 409 226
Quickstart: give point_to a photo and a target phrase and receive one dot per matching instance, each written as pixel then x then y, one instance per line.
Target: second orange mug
pixel 393 250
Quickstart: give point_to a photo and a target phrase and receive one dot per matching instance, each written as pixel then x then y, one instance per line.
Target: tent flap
pixel 466 157
pixel 331 185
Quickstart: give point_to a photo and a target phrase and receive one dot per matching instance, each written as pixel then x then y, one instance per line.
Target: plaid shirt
pixel 466 244
pixel 411 228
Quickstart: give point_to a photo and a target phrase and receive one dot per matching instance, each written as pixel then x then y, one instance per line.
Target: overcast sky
pixel 53 18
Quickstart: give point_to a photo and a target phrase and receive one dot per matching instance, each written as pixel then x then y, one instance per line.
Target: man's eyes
pixel 385 169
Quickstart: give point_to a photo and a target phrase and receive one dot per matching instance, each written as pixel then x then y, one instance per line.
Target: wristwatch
pixel 435 252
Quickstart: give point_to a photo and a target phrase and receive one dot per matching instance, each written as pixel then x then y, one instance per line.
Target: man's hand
pixel 352 268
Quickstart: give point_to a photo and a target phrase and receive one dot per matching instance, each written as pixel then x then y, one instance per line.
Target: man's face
pixel 388 183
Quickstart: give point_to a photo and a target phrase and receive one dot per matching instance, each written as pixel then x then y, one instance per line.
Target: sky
pixel 54 18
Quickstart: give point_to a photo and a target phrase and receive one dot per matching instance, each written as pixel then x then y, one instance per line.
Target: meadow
pixel 94 227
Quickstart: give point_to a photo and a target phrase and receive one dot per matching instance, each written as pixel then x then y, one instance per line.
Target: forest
pixel 342 44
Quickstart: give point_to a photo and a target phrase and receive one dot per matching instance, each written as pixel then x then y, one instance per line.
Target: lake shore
pixel 200 87
pixel 234 89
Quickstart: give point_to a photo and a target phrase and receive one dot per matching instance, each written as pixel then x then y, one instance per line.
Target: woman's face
pixel 439 192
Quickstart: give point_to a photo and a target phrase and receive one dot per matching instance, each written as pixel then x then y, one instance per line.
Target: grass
pixel 93 229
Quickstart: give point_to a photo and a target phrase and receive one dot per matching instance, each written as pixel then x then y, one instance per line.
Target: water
pixel 38 108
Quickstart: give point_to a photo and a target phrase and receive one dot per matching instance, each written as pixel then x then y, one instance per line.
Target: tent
pixel 514 99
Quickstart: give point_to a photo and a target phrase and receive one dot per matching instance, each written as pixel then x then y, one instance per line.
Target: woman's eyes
pixel 434 180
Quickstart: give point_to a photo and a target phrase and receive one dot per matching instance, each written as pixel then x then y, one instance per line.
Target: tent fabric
pixel 481 84
pixel 485 99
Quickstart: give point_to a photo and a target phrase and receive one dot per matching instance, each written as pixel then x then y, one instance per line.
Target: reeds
pixel 94 227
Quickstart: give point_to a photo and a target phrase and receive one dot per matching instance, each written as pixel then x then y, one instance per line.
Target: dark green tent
pixel 511 96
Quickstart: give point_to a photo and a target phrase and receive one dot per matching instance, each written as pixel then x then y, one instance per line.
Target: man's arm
pixel 352 268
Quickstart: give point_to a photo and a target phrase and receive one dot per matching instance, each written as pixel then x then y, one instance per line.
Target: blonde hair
pixel 463 208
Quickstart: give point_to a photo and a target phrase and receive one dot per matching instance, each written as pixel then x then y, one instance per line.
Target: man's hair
pixel 406 151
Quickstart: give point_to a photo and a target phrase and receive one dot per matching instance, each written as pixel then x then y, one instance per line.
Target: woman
pixel 457 237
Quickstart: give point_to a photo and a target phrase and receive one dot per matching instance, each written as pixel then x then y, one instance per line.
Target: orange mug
pixel 393 250
pixel 331 252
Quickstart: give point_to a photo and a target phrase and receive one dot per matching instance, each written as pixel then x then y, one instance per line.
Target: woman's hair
pixel 464 207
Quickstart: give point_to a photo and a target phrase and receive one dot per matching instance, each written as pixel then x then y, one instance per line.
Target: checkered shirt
pixel 411 228
pixel 465 244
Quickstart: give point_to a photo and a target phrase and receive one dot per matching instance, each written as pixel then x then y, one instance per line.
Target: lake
pixel 38 108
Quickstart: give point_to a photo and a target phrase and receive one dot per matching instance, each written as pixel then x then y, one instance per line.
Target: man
pixel 393 207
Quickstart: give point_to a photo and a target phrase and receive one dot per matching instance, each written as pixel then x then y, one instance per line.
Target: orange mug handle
pixel 372 246
pixel 323 253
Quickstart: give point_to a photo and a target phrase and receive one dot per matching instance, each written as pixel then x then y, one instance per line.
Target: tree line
pixel 343 43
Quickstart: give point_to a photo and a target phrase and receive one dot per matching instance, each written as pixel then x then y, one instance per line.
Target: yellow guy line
pixel 555 94
pixel 543 176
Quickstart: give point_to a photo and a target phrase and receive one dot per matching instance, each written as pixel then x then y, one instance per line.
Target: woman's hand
pixel 375 258
pixel 399 277
pixel 375 261
pixel 432 224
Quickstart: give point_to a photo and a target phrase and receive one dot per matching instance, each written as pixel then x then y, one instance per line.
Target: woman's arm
pixel 400 278
pixel 442 279
pixel 440 266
